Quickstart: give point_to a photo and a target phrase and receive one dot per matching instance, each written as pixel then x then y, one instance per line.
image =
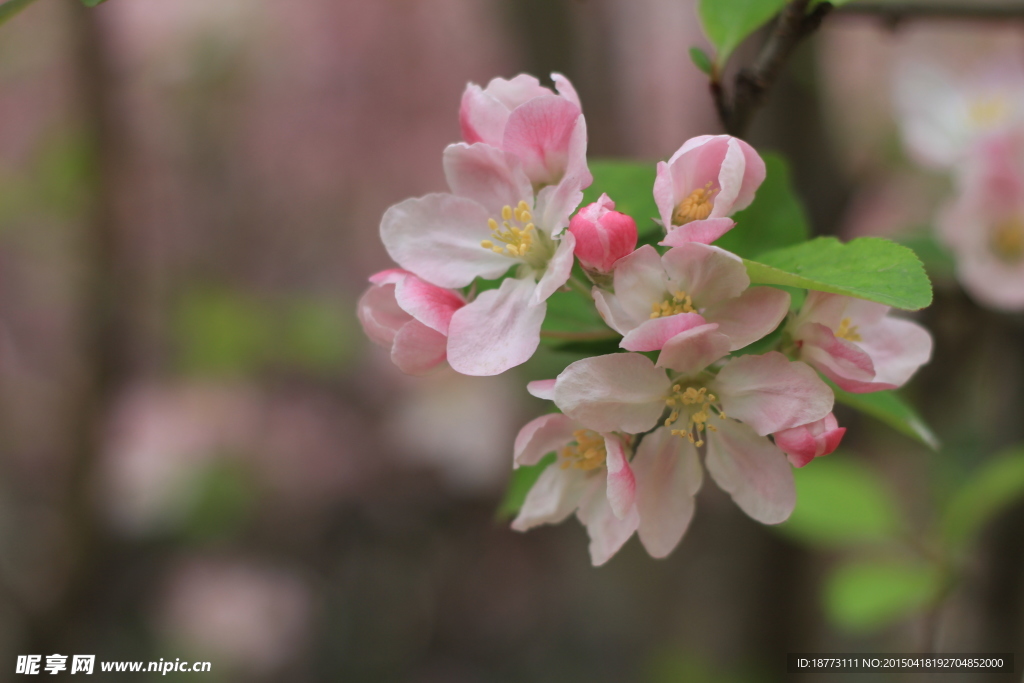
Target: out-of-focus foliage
pixel 92 3
pixel 990 491
pixel 867 268
pixel 841 502
pixel 519 485
pixel 221 497
pixel 629 184
pixel 774 220
pixel 12 7
pixel 888 407
pixel 866 595
pixel 728 22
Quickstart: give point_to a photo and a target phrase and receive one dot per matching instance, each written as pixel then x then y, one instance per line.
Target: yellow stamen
pixel 677 302
pixel 515 232
pixel 586 453
pixel 847 331
pixel 1008 239
pixel 699 415
pixel 696 207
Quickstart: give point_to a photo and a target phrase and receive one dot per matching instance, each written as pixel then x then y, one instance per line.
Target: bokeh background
pixel 201 456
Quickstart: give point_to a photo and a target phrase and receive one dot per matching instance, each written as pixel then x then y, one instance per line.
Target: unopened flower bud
pixel 805 443
pixel 603 235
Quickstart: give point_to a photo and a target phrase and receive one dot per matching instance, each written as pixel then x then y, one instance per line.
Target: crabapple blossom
pixel 805 443
pixel 491 222
pixel 856 344
pixel 707 180
pixel 546 131
pixel 694 304
pixel 733 411
pixel 984 224
pixel 603 235
pixel 942 116
pixel 591 477
pixel 410 317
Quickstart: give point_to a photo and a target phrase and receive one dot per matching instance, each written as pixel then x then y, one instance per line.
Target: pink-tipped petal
pixel 694 350
pixel 730 179
pixel 751 470
pixel 611 311
pixel 554 496
pixel 380 314
pixel 702 232
pixel 391 276
pixel 607 532
pixel 618 392
pixel 539 132
pixel 497 331
pixel 515 91
pixel 840 360
pixel 565 89
pixel 664 194
pixel 653 334
pixel 487 175
pixel 542 388
pixel 897 349
pixel 698 166
pixel 805 443
pixel 418 349
pixel 668 476
pixel 639 282
pixel 558 271
pixel 543 435
pixel 771 393
pixel 621 488
pixel 750 316
pixel 556 203
pixel 432 306
pixel 482 117
pixel 708 274
pixel 438 237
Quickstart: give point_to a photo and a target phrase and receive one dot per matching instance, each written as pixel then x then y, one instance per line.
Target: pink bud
pixel 603 235
pixel 805 443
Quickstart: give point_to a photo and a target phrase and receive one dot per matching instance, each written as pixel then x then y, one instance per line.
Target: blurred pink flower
pixel 409 317
pixel 984 224
pixel 591 477
pixel 603 235
pixel 707 180
pixel 856 344
pixel 694 304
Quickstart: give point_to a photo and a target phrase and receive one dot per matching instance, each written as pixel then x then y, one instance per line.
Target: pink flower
pixel 805 443
pixel 984 226
pixel 546 131
pixel 410 317
pixel 694 304
pixel 942 116
pixel 707 180
pixel 735 410
pixel 491 222
pixel 603 235
pixel 591 477
pixel 856 344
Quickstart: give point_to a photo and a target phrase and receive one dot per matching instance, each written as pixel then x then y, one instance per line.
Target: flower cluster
pixel 974 128
pixel 637 428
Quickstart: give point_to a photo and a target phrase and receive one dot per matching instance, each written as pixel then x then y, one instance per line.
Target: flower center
pixel 696 207
pixel 988 111
pixel 585 453
pixel 677 302
pixel 515 235
pixel 847 331
pixel 698 406
pixel 1008 239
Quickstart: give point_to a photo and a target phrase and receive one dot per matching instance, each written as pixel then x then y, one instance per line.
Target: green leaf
pixel 701 60
pixel 888 407
pixel 92 3
pixel 937 260
pixel 630 184
pixel 519 485
pixel 221 332
pixel 774 220
pixel 867 268
pixel 12 7
pixel 840 502
pixel 569 311
pixel 991 490
pixel 728 22
pixel 867 595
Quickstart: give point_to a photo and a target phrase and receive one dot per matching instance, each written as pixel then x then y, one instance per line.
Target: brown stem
pixel 793 24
